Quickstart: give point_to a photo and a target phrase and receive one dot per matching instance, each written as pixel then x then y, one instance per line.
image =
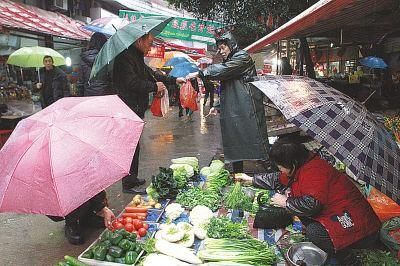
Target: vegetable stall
pixel 193 216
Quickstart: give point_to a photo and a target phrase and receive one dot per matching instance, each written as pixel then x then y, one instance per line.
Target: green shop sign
pixel 181 28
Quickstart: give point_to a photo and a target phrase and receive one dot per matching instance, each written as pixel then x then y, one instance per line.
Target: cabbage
pixel 205 171
pixel 216 166
pixel 152 192
pixel 188 168
pixel 192 161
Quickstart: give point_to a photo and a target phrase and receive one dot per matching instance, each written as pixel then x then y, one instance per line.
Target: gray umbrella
pixel 343 126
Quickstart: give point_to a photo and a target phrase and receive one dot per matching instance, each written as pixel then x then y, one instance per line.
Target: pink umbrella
pixel 60 157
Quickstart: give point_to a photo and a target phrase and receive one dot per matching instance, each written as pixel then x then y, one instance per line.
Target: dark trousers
pixel 130 180
pixel 83 212
pixel 209 94
pixel 318 235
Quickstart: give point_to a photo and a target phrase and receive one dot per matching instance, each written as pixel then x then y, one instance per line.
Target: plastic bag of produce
pixel 390 235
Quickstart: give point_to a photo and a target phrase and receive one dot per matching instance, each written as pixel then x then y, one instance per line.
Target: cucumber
pixel 73 261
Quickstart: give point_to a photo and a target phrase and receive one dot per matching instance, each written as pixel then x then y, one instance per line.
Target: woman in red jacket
pixel 336 215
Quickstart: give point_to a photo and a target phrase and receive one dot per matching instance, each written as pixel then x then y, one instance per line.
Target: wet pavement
pixel 36 240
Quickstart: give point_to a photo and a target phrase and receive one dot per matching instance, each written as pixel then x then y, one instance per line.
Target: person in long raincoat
pixel 242 116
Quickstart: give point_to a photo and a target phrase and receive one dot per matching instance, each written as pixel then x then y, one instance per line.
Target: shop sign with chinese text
pixel 181 28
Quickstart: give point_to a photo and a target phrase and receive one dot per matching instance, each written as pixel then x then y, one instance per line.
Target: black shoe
pixel 138 182
pixel 93 221
pixel 134 190
pixel 74 234
pixel 180 114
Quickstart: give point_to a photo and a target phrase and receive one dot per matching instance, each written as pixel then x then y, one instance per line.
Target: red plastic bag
pixel 155 107
pixel 188 96
pixel 160 104
pixel 384 207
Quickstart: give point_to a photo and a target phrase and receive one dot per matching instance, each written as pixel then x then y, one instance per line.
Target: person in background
pixel 100 85
pixel 209 89
pixel 134 80
pixel 242 115
pixel 286 68
pixel 53 82
pixel 336 216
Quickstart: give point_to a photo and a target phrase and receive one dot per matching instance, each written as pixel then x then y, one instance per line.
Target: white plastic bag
pixel 165 103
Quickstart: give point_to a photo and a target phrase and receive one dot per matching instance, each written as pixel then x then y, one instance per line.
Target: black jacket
pixel 58 89
pixel 134 80
pixel 305 206
pixel 95 87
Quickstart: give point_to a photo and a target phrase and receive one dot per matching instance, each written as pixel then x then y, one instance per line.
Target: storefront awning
pixel 32 19
pixel 328 15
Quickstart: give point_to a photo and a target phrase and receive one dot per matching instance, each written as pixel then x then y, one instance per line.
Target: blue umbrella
pixel 176 60
pixel 183 69
pixel 373 62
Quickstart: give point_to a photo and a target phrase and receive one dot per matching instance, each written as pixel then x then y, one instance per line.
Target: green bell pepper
pixel 130 257
pixel 99 253
pixel 120 260
pixel 115 251
pixel 125 244
pixel 88 254
pixel 110 258
pixel 115 238
pixel 106 235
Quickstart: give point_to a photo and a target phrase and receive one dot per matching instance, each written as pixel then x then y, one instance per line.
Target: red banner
pixel 156 51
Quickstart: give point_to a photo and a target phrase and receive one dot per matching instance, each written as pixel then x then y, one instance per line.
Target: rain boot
pixel 73 232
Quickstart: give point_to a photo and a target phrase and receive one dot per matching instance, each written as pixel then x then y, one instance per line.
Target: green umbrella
pixel 33 57
pixel 124 38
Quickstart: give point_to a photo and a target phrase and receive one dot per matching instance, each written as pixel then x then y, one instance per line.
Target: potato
pixel 157 206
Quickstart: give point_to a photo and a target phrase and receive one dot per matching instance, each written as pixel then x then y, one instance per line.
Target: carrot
pixel 134 215
pixel 136 209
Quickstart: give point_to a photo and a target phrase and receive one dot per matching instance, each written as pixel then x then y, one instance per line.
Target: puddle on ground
pixel 165 138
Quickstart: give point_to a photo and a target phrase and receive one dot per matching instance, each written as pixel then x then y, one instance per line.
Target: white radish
pixel 176 251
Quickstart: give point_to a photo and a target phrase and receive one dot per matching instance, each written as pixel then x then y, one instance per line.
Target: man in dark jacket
pixel 134 80
pixel 100 85
pixel 54 83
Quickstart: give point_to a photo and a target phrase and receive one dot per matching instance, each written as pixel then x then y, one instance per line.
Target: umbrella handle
pixel 37 69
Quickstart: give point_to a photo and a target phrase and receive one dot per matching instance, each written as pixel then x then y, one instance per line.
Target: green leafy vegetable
pixel 223 227
pixel 165 184
pixel 195 196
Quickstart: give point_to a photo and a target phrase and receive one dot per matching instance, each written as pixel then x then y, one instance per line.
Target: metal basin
pixel 306 254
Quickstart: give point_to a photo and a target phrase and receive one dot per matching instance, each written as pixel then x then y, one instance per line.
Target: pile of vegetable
pixel 249 251
pixel 130 224
pixel 375 257
pixel 140 202
pixel 173 211
pixel 218 180
pixel 236 199
pixel 195 196
pixel 164 185
pixel 177 254
pixel 181 233
pixel 192 161
pixel 223 227
pixel 215 167
pixel 182 173
pixel 119 246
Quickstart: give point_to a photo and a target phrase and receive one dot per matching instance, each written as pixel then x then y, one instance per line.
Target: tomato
pixel 114 224
pixel 129 227
pixel 138 225
pixel 127 220
pixel 118 225
pixel 121 220
pixel 145 226
pixel 142 232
